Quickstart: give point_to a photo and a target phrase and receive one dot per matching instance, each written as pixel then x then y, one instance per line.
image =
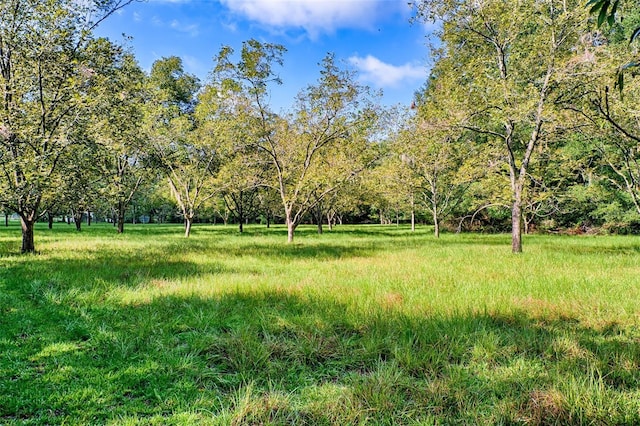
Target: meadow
pixel 362 325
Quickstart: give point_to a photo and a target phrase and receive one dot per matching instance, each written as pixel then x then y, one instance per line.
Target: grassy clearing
pixel 363 325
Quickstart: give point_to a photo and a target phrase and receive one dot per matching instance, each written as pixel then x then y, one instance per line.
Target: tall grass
pixel 362 325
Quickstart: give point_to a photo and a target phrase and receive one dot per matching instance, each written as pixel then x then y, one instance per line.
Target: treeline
pixel 518 127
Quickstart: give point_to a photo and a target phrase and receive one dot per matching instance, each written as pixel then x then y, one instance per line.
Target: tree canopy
pixel 517 127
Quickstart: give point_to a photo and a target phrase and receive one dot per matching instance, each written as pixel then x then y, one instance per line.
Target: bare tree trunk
pixel 516 221
pixel 88 217
pixel 28 245
pixel 291 227
pixel 6 219
pixel 436 219
pixel 413 215
pixel 121 209
pixel 188 221
pixel 50 220
pixel 318 215
pixel 77 219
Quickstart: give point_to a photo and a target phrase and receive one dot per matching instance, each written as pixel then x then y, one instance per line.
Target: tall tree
pixel 187 155
pixel 509 60
pixel 45 68
pixel 228 118
pixel 117 116
pixel 324 143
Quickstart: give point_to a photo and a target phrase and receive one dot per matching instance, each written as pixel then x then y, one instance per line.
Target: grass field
pixel 362 325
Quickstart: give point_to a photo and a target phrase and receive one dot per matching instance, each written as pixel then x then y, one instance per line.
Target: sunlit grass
pixel 362 325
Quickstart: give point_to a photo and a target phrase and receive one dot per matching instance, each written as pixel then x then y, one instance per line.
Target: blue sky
pixel 373 37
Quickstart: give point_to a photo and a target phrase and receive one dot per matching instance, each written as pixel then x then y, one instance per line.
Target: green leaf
pixel 597 5
pixel 603 13
pixel 614 9
pixel 620 81
pixel 611 19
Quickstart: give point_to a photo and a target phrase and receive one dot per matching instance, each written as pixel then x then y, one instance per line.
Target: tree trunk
pixel 88 217
pixel 291 228
pixel 436 219
pixel 121 209
pixel 413 214
pixel 77 219
pixel 516 221
pixel 268 220
pixel 50 220
pixel 188 221
pixel 290 232
pixel 6 219
pixel 240 226
pixel 318 215
pixel 28 245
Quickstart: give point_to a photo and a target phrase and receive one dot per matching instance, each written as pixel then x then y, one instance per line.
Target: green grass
pixel 362 325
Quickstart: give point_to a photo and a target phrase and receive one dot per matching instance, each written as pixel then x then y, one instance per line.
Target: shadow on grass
pixel 286 358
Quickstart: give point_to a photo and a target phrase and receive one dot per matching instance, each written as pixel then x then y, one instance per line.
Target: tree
pixel 441 165
pixel 45 69
pixel 226 116
pixel 117 114
pixel 324 143
pixel 80 187
pixel 186 154
pixel 509 61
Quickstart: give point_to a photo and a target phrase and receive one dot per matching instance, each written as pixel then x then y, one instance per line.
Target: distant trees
pixel 324 143
pixel 519 110
pixel 321 144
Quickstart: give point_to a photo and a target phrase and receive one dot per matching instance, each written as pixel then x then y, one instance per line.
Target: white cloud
pixel 191 29
pixel 381 74
pixel 314 16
